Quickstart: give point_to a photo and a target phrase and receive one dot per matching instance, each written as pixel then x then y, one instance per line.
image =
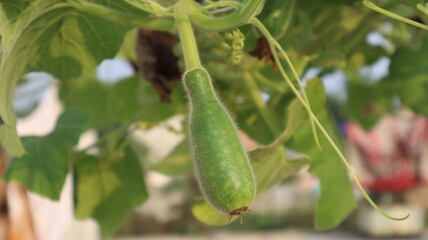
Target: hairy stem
pixel 187 37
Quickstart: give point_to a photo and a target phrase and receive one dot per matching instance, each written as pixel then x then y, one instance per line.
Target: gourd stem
pixel 121 17
pixel 187 37
pixel 240 16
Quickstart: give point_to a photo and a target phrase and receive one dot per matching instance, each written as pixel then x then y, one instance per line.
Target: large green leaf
pixel 48 35
pixel 178 162
pixel 413 93
pixel 277 16
pixel 12 9
pixel 207 214
pixel 409 77
pixel 270 165
pixel 337 199
pixel 328 31
pixel 129 99
pixel 107 103
pixel 108 188
pixel 250 121
pixel 407 62
pixel 369 109
pixel 88 94
pixel 44 169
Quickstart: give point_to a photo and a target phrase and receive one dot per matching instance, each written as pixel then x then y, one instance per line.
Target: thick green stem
pixel 240 16
pixel 123 18
pixel 187 37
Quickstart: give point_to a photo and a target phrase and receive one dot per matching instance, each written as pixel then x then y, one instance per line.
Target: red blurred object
pixel 393 184
pixel 391 154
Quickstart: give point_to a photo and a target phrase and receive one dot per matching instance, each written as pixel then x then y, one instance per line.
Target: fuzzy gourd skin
pixel 221 164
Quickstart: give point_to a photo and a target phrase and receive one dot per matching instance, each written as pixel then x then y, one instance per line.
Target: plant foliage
pixel 69 38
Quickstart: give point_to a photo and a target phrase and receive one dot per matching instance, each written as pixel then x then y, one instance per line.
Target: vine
pixel 376 8
pixel 34 32
pixel 274 45
pixel 192 61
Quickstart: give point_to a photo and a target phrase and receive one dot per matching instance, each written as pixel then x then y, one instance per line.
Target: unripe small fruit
pixel 221 164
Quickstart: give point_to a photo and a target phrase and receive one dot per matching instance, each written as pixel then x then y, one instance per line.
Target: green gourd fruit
pixel 221 164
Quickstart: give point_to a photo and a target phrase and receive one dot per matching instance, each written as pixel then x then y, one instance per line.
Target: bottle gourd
pixel 222 167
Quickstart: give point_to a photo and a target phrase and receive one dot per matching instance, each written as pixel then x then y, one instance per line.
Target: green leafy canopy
pixel 69 38
pixel 45 166
pixel 108 188
pixel 51 36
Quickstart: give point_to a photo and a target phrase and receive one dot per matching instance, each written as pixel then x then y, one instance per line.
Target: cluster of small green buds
pixel 234 42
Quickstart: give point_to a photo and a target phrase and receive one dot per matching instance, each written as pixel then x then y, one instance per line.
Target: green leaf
pixel 153 110
pixel 134 97
pixel 48 35
pixel 208 215
pixel 409 77
pixel 107 189
pixel 337 199
pixel 126 100
pixel 407 62
pixel 44 169
pixel 178 162
pixel 340 2
pixel 413 93
pixel 123 99
pixel 88 94
pixel 277 15
pixel 13 8
pixel 270 165
pixel 369 109
pixel 252 123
